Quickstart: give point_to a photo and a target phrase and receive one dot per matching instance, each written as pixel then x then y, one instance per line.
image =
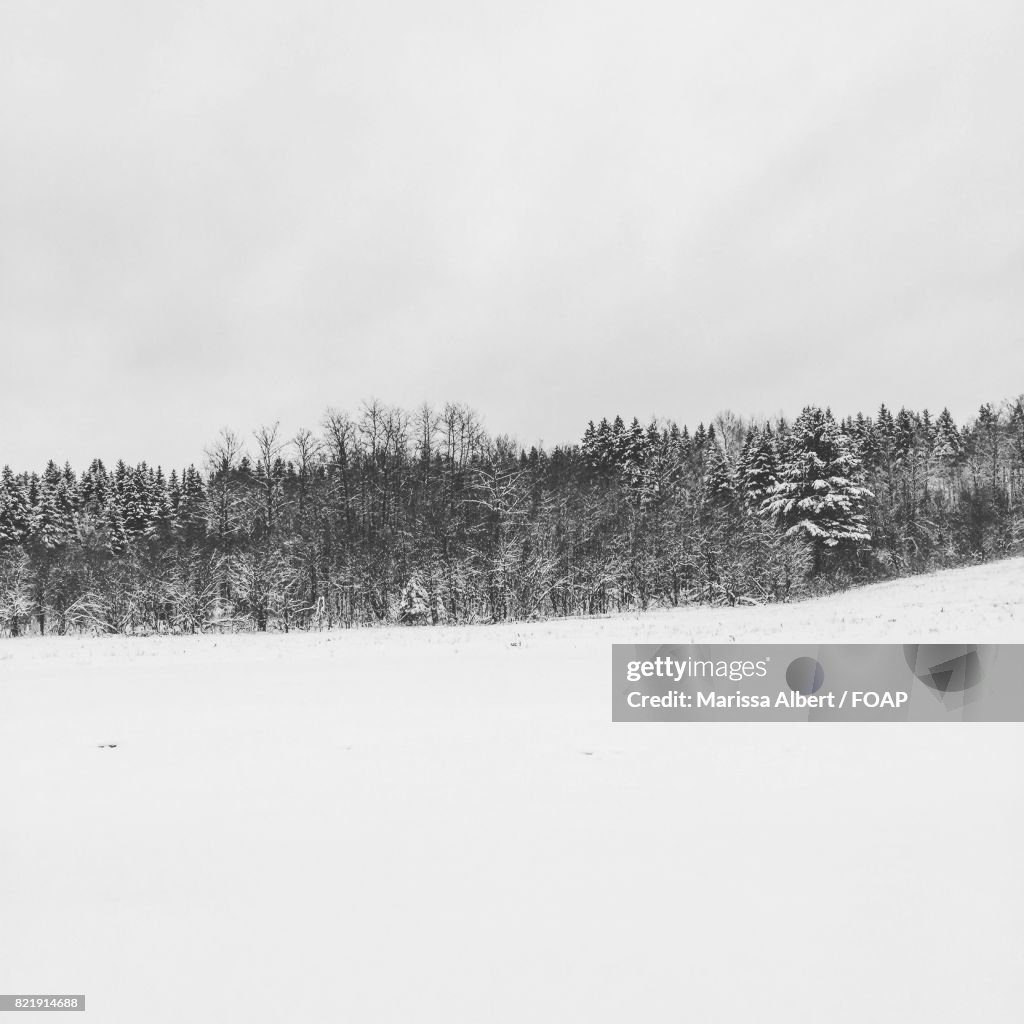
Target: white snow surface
pixel 443 824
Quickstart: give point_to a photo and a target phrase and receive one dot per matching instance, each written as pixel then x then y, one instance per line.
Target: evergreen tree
pixel 989 438
pixel 820 494
pixel 15 514
pixel 161 522
pixel 761 467
pixel 719 476
pixel 113 521
pixel 52 520
pixel 93 488
pixel 192 507
pixel 948 444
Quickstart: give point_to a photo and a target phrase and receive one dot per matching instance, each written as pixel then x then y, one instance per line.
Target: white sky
pixel 229 213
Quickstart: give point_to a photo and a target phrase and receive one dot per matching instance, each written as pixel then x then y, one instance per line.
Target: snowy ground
pixel 444 825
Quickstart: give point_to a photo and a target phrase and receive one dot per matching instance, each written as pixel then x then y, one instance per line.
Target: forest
pixel 422 517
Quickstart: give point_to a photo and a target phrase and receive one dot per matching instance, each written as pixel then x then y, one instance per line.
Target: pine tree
pixel 113 520
pixel 414 604
pixel 192 507
pixel 761 467
pixel 14 510
pixel 174 493
pixel 161 522
pixel 820 494
pixel 746 453
pixel 133 505
pixel 907 451
pixel 905 435
pixel 599 446
pixel 719 476
pixel 948 445
pixel 589 445
pixel 656 439
pixel 93 489
pixel 988 433
pixel 52 520
pixel 617 443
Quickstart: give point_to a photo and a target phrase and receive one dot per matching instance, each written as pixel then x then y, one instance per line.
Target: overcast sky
pixel 228 213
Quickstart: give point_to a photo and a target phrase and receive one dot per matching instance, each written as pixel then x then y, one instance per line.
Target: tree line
pixel 389 515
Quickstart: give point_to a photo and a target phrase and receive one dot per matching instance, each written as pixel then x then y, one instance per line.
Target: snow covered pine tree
pixel 820 493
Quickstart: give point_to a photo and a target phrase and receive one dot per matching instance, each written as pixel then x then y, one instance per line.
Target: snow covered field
pixel 444 825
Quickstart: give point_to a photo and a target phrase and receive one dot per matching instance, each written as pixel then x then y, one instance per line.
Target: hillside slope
pixel 443 825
